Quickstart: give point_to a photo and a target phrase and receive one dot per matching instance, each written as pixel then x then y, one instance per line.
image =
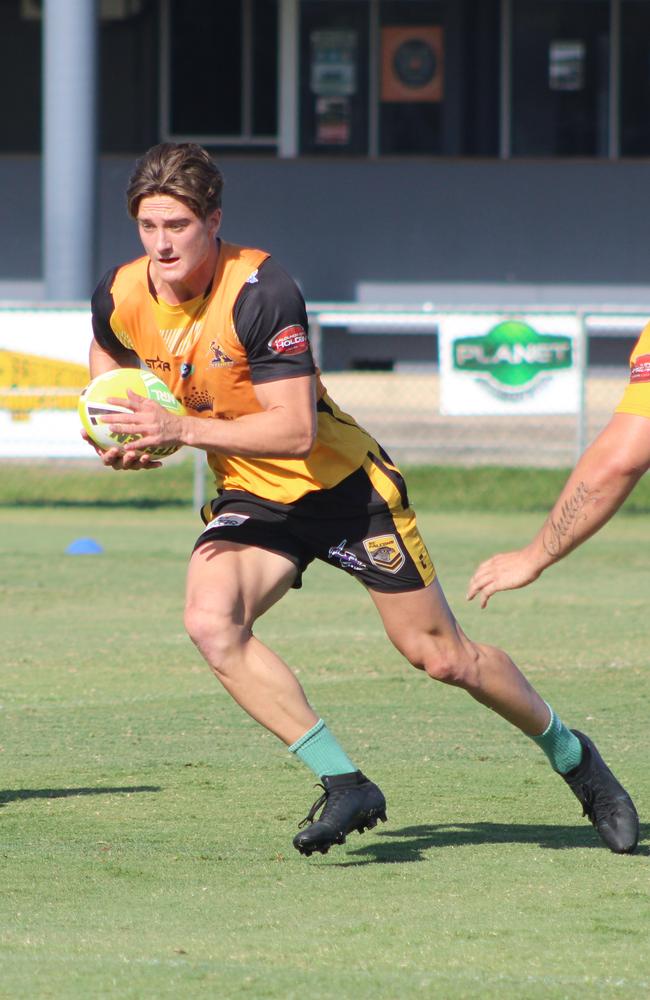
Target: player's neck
pixel 176 292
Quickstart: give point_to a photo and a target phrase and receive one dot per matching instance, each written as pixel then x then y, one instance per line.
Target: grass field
pixel 147 823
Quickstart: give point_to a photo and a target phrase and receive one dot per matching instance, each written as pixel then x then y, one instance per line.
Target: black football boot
pixel 351 802
pixel 603 799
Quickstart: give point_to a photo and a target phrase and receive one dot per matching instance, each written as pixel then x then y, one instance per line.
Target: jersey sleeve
pixel 270 320
pixel 102 306
pixel 636 398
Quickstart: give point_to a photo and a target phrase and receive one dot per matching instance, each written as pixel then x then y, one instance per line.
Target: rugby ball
pixel 92 406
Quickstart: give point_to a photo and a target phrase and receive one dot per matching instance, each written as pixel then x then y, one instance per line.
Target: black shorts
pixel 364 525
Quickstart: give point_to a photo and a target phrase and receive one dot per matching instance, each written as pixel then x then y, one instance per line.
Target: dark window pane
pixel 560 78
pixel 439 91
pixel 635 79
pixel 265 67
pixel 334 76
pixel 413 76
pixel 128 100
pixel 206 67
pixel 20 80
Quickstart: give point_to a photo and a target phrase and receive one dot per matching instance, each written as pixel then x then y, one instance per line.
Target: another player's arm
pixel 603 478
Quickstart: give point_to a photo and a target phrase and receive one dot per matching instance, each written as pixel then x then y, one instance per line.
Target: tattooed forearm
pixel 560 530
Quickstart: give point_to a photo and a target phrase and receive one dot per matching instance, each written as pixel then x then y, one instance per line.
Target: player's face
pixel 180 245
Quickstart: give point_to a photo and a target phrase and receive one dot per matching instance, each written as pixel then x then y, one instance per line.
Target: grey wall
pixel 334 224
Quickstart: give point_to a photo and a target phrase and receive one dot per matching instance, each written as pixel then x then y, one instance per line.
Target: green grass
pixel 146 829
pixel 441 488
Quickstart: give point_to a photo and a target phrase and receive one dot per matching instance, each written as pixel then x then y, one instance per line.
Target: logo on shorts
pixel 347 559
pixel 252 279
pixel 291 340
pixel 385 552
pixel 640 371
pixel 227 521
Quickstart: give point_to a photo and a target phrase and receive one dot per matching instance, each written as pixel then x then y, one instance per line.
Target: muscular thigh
pixel 235 581
pixel 419 616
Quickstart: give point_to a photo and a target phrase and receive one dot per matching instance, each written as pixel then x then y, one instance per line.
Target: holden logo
pixel 512 356
pixel 291 340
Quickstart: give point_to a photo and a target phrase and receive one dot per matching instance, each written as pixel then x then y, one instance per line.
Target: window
pixel 635 78
pixel 334 36
pixel 560 78
pixel 439 77
pixel 222 77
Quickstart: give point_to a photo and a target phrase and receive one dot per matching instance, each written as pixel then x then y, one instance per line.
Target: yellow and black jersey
pixel 248 327
pixel 636 398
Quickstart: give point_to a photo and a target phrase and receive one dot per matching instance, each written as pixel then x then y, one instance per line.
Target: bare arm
pixel 284 428
pixel 605 475
pixel 101 361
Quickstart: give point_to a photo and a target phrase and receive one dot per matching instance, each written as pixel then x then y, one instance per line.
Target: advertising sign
pixel 492 364
pixel 333 79
pixel 412 64
pixel 43 368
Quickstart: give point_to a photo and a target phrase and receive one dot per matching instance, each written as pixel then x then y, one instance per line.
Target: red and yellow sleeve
pixel 636 398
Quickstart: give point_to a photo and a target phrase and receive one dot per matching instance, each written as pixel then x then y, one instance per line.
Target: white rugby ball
pixel 92 406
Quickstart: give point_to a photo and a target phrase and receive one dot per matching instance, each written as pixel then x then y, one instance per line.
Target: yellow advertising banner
pixel 31 382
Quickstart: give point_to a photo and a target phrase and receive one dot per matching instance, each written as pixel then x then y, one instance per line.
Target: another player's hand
pixel 155 425
pixel 116 459
pixel 505 571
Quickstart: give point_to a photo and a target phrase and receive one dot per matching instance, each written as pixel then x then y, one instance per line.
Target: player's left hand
pixel 505 571
pixel 156 426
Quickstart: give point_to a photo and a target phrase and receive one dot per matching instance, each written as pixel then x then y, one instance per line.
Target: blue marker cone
pixel 84 547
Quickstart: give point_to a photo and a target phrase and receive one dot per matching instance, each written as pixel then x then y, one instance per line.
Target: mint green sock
pixel 318 749
pixel 561 746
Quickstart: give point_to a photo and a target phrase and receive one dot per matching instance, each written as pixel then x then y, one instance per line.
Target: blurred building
pixel 365 141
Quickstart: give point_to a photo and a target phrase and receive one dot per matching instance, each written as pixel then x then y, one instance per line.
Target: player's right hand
pixel 131 461
pixel 504 571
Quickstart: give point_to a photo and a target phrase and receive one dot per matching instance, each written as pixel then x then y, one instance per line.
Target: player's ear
pixel 214 221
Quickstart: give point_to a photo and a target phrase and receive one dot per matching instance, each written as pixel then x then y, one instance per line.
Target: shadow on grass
pixel 412 843
pixel 18 794
pixel 74 503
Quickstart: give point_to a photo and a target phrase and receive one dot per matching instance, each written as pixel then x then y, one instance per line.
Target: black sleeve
pixel 271 322
pixel 102 306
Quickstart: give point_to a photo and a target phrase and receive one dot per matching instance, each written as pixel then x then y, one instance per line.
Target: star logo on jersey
pixel 252 279
pixel 289 340
pixel 220 359
pixel 157 364
pixel 385 553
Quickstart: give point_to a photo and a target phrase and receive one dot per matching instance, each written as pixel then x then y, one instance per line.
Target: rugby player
pixel 296 479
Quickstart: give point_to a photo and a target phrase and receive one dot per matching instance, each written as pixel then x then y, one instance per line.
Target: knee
pixel 456 664
pixel 214 634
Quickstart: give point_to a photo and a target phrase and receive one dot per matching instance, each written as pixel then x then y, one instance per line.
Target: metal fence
pixel 398 399
pixel 381 364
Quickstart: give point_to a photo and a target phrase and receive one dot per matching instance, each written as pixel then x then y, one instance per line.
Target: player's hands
pixel 505 571
pixel 116 459
pixel 155 425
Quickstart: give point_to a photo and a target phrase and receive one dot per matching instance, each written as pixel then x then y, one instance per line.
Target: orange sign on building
pixel 412 63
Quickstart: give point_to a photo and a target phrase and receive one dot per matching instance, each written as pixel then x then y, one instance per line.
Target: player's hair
pixel 183 170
